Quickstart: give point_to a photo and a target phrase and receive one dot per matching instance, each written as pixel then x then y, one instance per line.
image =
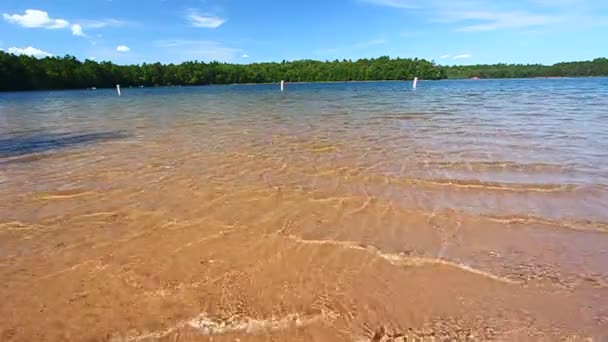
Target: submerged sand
pixel 243 243
pixel 255 217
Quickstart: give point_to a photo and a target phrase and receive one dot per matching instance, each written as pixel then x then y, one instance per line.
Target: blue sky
pixel 245 31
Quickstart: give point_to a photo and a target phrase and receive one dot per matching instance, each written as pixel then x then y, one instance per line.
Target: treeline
pixel 597 67
pixel 29 73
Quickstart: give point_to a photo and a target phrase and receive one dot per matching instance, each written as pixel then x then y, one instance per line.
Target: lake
pixel 331 211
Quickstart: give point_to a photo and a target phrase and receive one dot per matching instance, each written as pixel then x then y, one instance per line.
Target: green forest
pixel 30 73
pixel 597 67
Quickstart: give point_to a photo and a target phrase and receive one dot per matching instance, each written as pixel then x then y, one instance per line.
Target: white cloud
pixel 30 51
pixel 463 56
pixel 33 18
pixel 489 20
pixel 97 24
pixel 489 15
pixel 445 56
pixel 123 48
pixel 244 55
pixel 179 50
pixel 205 20
pixel 77 30
pixel 36 19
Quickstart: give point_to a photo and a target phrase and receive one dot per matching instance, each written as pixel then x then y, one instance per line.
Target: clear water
pixel 545 139
pixel 463 208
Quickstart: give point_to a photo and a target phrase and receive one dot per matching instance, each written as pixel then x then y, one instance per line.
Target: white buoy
pixel 415 84
pixel 282 85
pixel 118 89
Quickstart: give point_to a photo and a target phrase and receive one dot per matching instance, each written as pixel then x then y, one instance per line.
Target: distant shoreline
pixel 420 79
pixel 301 83
pixel 29 73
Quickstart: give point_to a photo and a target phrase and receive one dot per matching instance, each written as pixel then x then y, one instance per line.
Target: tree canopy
pixel 597 67
pixel 30 73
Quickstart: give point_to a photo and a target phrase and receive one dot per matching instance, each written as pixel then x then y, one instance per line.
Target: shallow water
pixel 339 211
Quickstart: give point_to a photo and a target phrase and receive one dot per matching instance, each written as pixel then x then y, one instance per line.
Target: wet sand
pixel 228 231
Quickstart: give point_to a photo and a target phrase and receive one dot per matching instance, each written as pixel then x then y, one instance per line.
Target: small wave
pixel 404 260
pixel 476 184
pixel 30 158
pixel 64 195
pixel 21 226
pixel 583 225
pixel 207 326
pixel 405 116
pixel 464 183
pixel 499 166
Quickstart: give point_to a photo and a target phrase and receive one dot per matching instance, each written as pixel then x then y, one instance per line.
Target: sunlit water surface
pixel 505 180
